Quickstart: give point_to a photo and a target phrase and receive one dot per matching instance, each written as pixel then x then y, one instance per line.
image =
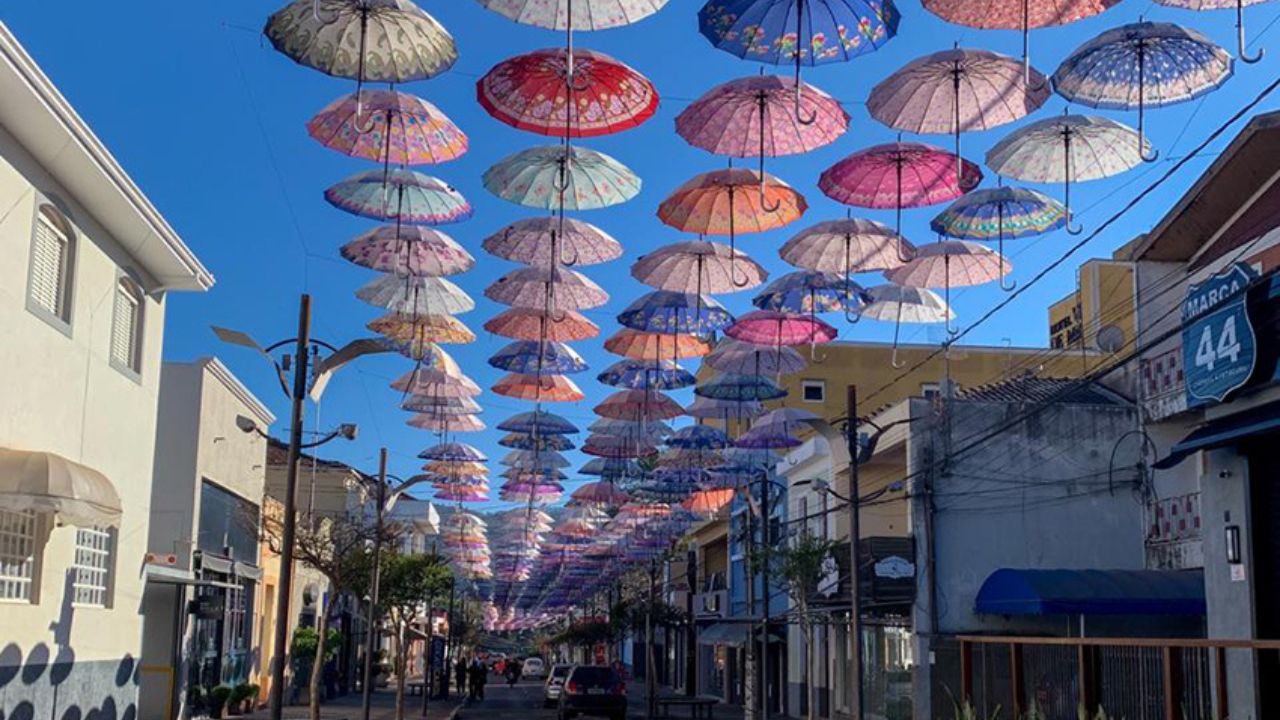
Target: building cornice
pixel 217 369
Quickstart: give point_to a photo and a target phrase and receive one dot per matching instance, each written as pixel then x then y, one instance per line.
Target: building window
pixel 17 554
pixel 813 390
pixel 126 327
pixel 929 391
pixel 49 281
pixel 91 570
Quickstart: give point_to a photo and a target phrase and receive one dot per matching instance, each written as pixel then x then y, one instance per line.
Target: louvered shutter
pixel 48 269
pixel 124 327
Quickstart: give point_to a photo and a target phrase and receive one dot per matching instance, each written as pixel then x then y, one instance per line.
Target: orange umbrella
pixel 727 202
pixel 639 345
pixel 457 468
pixel 708 502
pixel 547 388
pixel 423 327
pixel 637 405
pixel 529 323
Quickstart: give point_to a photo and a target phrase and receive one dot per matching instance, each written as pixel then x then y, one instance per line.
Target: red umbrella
pixel 530 323
pixel 545 388
pixel 536 92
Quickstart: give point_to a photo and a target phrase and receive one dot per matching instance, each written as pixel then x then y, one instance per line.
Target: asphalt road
pixel 522 702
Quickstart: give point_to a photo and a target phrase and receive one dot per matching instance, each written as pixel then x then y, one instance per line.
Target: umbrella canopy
pixel 636 375
pixel 440 405
pixel 699 437
pixel 768 437
pixel 734 356
pixel 532 459
pixel 618 448
pixel 436 423
pixel 539 388
pixel 400 195
pixel 997 213
pixel 727 202
pixel 456 471
pixel 575 14
pixel 631 428
pixel 531 241
pixel 454 452
pixel 770 327
pixel 829 30
pixel 388 127
pixel 541 421
pixel 420 381
pixel 602 493
pixel 809 291
pixel 698 266
pixel 754 117
pixel 847 246
pixel 554 288
pixel 555 177
pixel 951 263
pixel 535 324
pixel 708 502
pixel 567 93
pixel 408 250
pixel 536 357
pixel 433 359
pixel 1242 49
pixel 527 441
pixel 740 388
pixel 638 405
pixel 639 345
pixel 673 312
pixel 609 467
pixel 1142 64
pixel 422 328
pixel 411 295
pixel 390 41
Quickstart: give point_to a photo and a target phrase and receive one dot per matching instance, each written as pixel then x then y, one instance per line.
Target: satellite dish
pixel 1110 339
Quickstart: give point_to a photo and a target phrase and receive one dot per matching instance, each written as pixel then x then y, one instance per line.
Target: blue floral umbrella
pixel 638 375
pixel 532 357
pixel 768 437
pixel 740 387
pixel 399 195
pixel 539 421
pixel 664 311
pixel 699 437
pixel 527 441
pixel 610 467
pixel 808 291
pixel 997 213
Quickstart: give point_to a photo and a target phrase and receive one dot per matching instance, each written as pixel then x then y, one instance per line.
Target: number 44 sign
pixel 1219 349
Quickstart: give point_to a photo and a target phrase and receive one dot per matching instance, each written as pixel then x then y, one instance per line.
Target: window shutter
pixel 48 268
pixel 124 328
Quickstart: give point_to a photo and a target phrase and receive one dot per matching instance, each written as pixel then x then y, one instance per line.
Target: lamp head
pixel 347 431
pixel 246 425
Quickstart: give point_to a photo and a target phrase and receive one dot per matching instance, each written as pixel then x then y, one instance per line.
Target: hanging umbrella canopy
pixel 618 448
pixel 400 195
pixel 567 93
pixel 846 247
pixel 527 441
pixel 533 357
pixel 601 493
pixel 699 437
pixel 951 263
pixel 437 423
pixel 539 421
pixel 543 288
pixel 727 202
pixel 433 359
pixel 830 30
pixel 575 14
pixel 455 470
pixel 609 467
pixel 630 428
pixel 1142 64
pixel 740 387
pixel 454 452
pixel 698 266
pixel 531 241
pixel 424 328
pixel 408 250
pixel 899 303
pixel 672 312
pixel 533 475
pixel 555 177
pixel 545 388
pixel 755 116
pixel 391 41
pixel 770 327
pixel 768 437
pixel 440 405
pixel 636 375
pixel 637 405
pixel 709 502
pixel 534 324
pixel 462 495
pixel 410 295
pixel 735 356
pixel 388 127
pixel 639 345
pixel 809 291
pixel 997 213
pixel 535 460
pixel 420 381
pixel 1242 49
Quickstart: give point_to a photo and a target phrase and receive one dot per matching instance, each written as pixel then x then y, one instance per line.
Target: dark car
pixel 593 690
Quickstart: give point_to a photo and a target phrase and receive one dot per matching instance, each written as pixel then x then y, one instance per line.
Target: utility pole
pixel 650 672
pixel 749 686
pixel 764 585
pixel 428 663
pixel 381 499
pixel 691 628
pixel 855 532
pixel 289 530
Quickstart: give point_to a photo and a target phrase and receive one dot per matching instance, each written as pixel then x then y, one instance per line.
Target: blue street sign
pixel 1219 347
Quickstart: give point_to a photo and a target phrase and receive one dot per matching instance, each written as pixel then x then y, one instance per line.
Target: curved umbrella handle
pixel 733 268
pixel 897 330
pixel 1000 252
pixel 903 256
pixel 571 261
pixel 561 182
pixel 1066 184
pixel 1142 108
pixel 764 200
pixel 1243 46
pixel 364 35
pixel 813 354
pixel 799 111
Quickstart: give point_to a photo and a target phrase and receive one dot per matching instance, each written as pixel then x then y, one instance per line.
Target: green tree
pixel 798 567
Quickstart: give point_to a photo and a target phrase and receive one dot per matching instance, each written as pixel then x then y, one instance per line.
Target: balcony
pixel 1163 389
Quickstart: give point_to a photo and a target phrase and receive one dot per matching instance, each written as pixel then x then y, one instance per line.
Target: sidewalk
pixel 349 707
pixel 637 702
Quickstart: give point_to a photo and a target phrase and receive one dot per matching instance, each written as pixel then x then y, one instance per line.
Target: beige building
pixel 204 539
pixel 89 263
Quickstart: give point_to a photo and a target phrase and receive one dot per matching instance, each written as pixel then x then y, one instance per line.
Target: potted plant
pixel 251 697
pixel 217 699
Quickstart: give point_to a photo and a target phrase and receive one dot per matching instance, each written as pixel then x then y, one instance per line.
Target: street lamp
pixel 303 386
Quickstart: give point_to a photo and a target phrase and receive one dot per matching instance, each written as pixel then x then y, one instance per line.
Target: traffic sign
pixel 1219 346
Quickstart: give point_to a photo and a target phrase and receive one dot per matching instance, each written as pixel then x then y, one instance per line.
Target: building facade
pixel 89 266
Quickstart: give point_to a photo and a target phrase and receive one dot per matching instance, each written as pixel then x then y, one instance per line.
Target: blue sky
pixel 210 122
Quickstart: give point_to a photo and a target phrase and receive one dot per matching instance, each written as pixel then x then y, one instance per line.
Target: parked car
pixel 555 684
pixel 533 668
pixel 595 690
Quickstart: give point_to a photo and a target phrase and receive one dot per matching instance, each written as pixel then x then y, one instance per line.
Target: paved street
pixel 524 702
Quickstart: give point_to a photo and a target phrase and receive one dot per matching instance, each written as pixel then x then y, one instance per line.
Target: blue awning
pixel 1225 431
pixel 1092 592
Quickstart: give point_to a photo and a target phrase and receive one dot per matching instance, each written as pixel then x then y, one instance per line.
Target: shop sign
pixel 895 568
pixel 209 607
pixel 1219 346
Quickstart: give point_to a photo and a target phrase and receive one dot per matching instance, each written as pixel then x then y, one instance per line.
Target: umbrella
pixel 539 388
pixel 457 470
pixel 734 356
pixel 638 405
pixel 810 291
pixel 575 14
pixel 1016 15
pixel 986 90
pixel 1066 148
pixel 847 246
pixel 532 459
pixel 399 129
pixel 422 381
pixel 673 312
pixel 551 289
pixel 527 441
pixel 408 250
pixel 555 177
pixel 539 421
pixel 609 467
pixel 708 502
pixel 655 429
pixel 699 437
pixel 435 423
pixel 804 32
pixel 725 202
pixel 603 493
pixel 419 199
pixel 410 295
pixel 768 437
pixel 434 358
pixel 535 324
pixel 530 242
pixel 997 213
pixel 421 328
pixel 740 388
pixel 899 175
pixel 762 116
pixel 899 304
pixel 565 93
pixel 618 447
pixel 462 495
pixel 1239 6
pixel 1142 64
pixel 440 405
pixel 636 375
pixel 454 452
pixel 698 266
pixel 538 357
pixel 951 263
pixel 639 345
pixel 770 327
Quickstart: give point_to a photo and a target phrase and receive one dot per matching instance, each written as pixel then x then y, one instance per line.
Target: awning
pixel 1092 592
pixel 47 483
pixel 1225 431
pixel 730 633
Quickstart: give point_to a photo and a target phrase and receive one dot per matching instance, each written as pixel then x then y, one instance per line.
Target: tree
pixel 798 568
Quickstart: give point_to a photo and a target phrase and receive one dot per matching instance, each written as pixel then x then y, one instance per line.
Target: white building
pixel 88 264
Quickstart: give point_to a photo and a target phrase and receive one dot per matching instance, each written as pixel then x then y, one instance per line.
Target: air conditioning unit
pixel 711 604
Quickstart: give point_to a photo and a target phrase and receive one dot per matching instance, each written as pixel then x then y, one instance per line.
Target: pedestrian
pixel 477 680
pixel 514 669
pixel 460 673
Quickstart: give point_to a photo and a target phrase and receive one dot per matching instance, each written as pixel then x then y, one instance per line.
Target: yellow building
pixel 1099 314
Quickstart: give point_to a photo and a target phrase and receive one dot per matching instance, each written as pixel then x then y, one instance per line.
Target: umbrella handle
pixel 364 33
pixel 1066 184
pixel 1243 52
pixel 733 268
pixel 897 329
pixel 764 201
pixel 799 111
pixel 1000 252
pixel 813 355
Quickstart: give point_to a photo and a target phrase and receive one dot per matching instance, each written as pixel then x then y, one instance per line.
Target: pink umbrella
pixel 697 267
pixel 773 328
pixel 604 493
pixel 552 289
pixel 951 263
pixel 446 423
pixel 393 128
pixel 408 250
pixel 985 89
pixel 843 247
pixel 530 242
pixel 638 405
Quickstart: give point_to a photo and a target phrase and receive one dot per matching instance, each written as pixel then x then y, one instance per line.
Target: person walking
pixel 514 669
pixel 460 674
pixel 477 680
